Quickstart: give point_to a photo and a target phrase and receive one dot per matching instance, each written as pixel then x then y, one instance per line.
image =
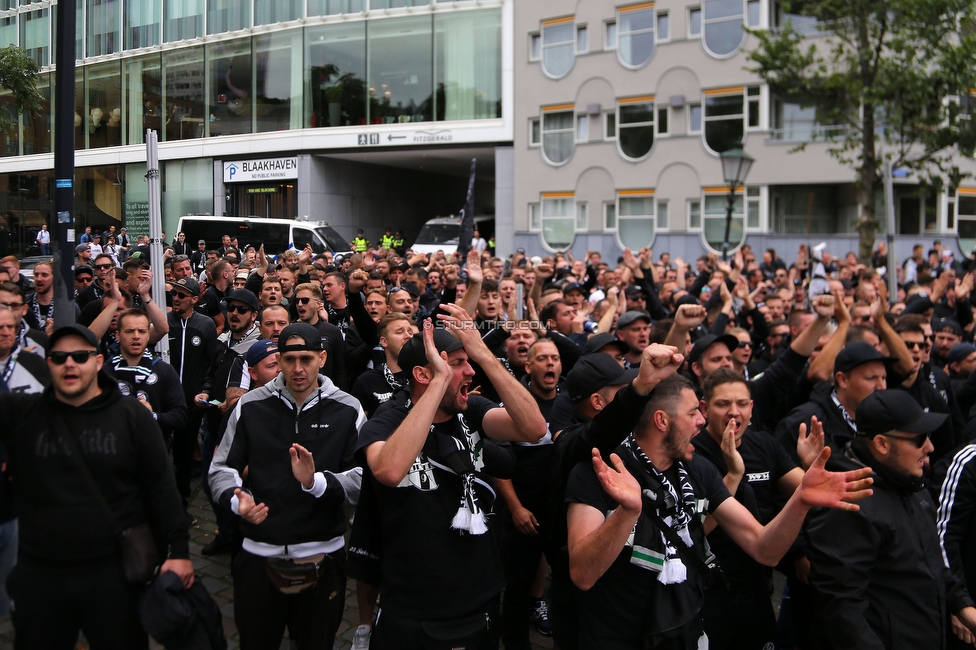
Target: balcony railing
pixel 808 133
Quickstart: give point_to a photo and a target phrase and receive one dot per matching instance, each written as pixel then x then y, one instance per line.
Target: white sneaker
pixel 360 641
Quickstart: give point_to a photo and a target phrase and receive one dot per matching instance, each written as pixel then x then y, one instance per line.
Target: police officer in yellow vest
pixel 360 243
pixel 398 243
pixel 386 241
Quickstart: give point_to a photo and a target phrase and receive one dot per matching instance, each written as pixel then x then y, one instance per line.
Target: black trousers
pixel 739 620
pixel 51 604
pixel 262 612
pixel 520 559
pixel 392 632
pixel 184 443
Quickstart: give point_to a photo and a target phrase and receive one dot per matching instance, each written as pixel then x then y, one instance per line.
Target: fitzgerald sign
pixel 261 169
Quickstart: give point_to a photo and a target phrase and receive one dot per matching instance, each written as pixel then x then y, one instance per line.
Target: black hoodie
pixel 61 521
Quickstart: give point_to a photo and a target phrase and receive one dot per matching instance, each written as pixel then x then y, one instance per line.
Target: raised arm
pixel 475 277
pixel 390 460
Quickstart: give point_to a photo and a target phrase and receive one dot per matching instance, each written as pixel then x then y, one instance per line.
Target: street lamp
pixel 736 164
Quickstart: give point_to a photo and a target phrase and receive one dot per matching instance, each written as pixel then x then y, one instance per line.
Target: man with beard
pixel 194 347
pixel 292 513
pixel 737 612
pixel 401 300
pixel 242 309
pixel 70 575
pixel 152 381
pixel 561 323
pixel 20 371
pixel 526 495
pixel 639 568
pixel 221 278
pixel 634 329
pixel 378 385
pixel 28 339
pixel 97 289
pixel 425 460
pixel 311 310
pixel 878 573
pixel 40 301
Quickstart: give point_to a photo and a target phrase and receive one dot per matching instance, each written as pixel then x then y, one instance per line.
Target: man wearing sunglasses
pixel 879 573
pixel 94 292
pixel 69 575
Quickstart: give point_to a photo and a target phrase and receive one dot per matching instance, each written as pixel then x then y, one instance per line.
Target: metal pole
pixel 156 233
pixel 728 222
pixel 61 226
pixel 889 192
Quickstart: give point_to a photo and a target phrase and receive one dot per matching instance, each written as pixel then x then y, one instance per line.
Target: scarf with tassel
pixel 456 458
pixel 673 512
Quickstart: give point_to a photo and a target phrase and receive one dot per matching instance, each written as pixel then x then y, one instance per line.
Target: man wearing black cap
pixel 947 333
pixel 198 259
pixel 193 349
pixel 89 464
pixel 634 329
pixel 430 464
pixel 83 277
pixel 83 255
pixel 296 436
pixel 311 310
pixel 879 573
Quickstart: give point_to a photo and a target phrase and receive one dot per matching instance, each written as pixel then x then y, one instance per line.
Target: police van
pixel 442 233
pixel 277 235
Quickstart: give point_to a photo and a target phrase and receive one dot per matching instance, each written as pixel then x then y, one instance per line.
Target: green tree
pixel 898 74
pixel 18 74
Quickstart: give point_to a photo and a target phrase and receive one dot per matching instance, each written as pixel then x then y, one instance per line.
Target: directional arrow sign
pixel 392 137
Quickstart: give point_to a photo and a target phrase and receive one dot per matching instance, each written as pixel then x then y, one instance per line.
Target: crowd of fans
pixel 617 452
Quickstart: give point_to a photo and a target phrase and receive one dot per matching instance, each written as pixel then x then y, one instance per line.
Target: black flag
pixel 467 217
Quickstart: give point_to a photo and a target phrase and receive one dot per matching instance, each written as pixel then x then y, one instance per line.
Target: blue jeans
pixel 8 558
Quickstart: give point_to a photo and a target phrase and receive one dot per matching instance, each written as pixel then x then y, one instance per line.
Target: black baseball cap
pixel 633 290
pixel 894 410
pixel 856 354
pixel 599 341
pixel 244 296
pixel 593 372
pixel 259 351
pixel 629 317
pixel 943 324
pixel 572 286
pixel 414 354
pixel 311 339
pixel 709 340
pixel 73 330
pixel 81 248
pixel 960 351
pixel 82 269
pixel 189 285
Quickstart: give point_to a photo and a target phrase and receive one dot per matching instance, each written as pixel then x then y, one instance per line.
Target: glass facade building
pixel 194 70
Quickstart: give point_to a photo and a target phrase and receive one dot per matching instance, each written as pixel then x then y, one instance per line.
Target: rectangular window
pixel 183 105
pixel 694 214
pixel 558 220
pixel 535 46
pixel 104 17
pixel 227 16
pixel 694 118
pixel 610 35
pixel 467 65
pixel 755 115
pixel 398 59
pixel 142 27
pixel 333 7
pixel 8 31
pixel 269 12
pixel 951 215
pixel 582 39
pixel 143 90
pixel 278 80
pixel 753 196
pixel 609 216
pixel 724 118
pixel 662 120
pixel 635 222
pixel 662 215
pixel 752 12
pixel 663 26
pixel 35 35
pixel 636 130
pixel 535 136
pixel 534 223
pixel 182 19
pixel 230 106
pixel 582 128
pixel 582 217
pixel 694 21
pixel 610 126
pixel 335 74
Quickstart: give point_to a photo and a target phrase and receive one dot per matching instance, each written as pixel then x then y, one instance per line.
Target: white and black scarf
pixel 391 379
pixel 673 512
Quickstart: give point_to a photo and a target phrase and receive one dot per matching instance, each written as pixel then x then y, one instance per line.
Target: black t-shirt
pixel 628 602
pixel 372 389
pixel 533 465
pixel 766 462
pixel 429 570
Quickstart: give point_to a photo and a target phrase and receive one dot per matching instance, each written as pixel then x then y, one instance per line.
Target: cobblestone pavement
pixel 215 574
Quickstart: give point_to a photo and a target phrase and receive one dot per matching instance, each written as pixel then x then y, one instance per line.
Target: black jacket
pixel 837 433
pixel 181 619
pixel 878 573
pixel 259 433
pixel 956 523
pixel 60 520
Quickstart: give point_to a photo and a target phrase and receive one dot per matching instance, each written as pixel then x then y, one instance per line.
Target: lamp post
pixel 736 164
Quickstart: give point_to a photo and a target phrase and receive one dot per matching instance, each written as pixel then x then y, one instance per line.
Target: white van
pixel 277 235
pixel 441 233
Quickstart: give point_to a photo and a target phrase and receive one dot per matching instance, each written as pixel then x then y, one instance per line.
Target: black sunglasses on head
pixel 58 358
pixel 918 439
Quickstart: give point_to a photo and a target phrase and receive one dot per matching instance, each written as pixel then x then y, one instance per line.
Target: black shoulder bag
pixel 140 555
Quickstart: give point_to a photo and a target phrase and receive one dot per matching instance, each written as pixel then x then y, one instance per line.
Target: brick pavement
pixel 215 574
